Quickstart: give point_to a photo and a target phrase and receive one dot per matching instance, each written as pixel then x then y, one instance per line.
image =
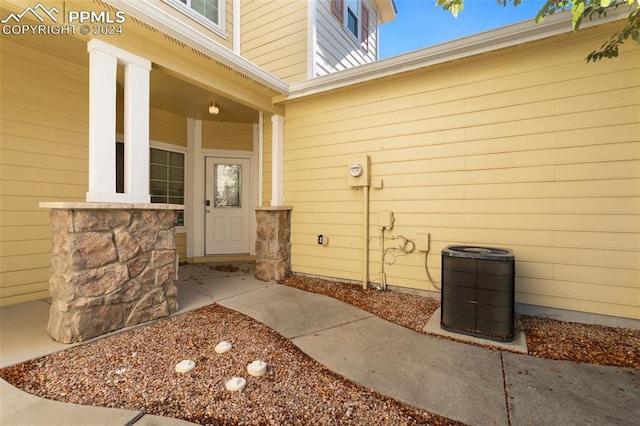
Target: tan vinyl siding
pixel 228 43
pixel 43 157
pixel 225 37
pixel 181 246
pixel 528 148
pixel 227 136
pixel 274 36
pixel 164 126
pixel 167 127
pixel 336 48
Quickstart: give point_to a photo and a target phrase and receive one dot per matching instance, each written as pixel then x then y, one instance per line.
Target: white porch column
pixel 103 63
pixel 194 190
pixel 277 161
pixel 260 154
pixel 102 124
pixel 136 132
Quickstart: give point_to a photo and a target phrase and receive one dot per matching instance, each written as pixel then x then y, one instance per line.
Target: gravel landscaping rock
pixel 136 369
pixel 546 338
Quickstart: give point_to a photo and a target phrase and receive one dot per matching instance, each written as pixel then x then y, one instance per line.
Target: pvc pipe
pixel 365 238
pixel 383 281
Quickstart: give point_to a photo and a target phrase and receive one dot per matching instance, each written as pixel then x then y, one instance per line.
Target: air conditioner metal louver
pixel 478 292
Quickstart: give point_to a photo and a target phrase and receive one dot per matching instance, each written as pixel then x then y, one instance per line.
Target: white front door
pixel 227 211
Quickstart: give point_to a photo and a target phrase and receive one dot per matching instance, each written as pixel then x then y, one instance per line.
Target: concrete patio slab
pixel 544 392
pixel 148 420
pixel 292 312
pixel 519 343
pixel 23 333
pixel 194 292
pixel 21 408
pixel 451 379
pixel 445 377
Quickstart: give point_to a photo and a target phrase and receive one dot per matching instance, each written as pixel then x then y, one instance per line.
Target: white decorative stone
pixel 222 347
pixel 236 384
pixel 185 365
pixel 257 368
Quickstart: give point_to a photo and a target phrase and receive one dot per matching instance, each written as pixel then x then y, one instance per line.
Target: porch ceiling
pixel 168 91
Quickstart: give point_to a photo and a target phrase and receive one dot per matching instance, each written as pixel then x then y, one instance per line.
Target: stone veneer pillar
pixel 273 243
pixel 112 266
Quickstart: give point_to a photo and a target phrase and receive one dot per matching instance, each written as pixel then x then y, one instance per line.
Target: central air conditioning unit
pixel 478 292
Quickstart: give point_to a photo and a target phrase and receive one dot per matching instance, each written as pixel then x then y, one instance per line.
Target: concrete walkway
pixel 459 381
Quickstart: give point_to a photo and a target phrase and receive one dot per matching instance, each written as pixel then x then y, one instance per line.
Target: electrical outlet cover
pixel 422 242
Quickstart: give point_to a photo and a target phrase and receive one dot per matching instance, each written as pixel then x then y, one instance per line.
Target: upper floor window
pixel 355 18
pixel 207 12
pixel 207 8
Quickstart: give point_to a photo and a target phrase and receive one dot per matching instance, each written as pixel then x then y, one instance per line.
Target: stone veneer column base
pixel 273 243
pixel 112 266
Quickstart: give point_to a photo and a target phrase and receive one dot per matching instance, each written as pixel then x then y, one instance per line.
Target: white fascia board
pixel 153 15
pixel 507 36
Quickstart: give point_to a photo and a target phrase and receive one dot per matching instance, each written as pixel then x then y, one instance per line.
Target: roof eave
pixel 386 10
pixel 507 36
pixel 155 16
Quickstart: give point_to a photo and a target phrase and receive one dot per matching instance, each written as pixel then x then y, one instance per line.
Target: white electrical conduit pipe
pixel 365 238
pixel 383 276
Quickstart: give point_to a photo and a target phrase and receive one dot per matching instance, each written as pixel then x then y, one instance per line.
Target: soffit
pixel 195 65
pixel 178 96
pixel 152 14
pixel 168 91
pixel 386 10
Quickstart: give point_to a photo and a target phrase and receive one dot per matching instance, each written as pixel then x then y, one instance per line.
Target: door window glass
pixel 227 185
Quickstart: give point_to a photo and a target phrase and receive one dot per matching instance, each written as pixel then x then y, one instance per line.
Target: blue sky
pixel 420 24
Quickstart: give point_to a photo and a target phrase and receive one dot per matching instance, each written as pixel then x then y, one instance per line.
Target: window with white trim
pixel 166 176
pixel 206 11
pixel 354 17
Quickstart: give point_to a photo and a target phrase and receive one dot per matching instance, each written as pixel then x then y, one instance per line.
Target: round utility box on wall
pixel 478 292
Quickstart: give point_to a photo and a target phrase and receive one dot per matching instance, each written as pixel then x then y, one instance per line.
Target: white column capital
pixel 122 55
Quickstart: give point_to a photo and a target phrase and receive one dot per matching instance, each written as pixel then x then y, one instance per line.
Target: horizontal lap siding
pixel 181 246
pixel 336 49
pixel 167 127
pixel 43 157
pixel 164 126
pixel 225 37
pixel 227 136
pixel 527 148
pixel 274 36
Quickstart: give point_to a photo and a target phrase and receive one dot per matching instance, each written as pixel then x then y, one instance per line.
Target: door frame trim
pixel 200 196
pixel 246 191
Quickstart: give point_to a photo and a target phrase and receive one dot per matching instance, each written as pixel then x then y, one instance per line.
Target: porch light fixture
pixel 213 109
